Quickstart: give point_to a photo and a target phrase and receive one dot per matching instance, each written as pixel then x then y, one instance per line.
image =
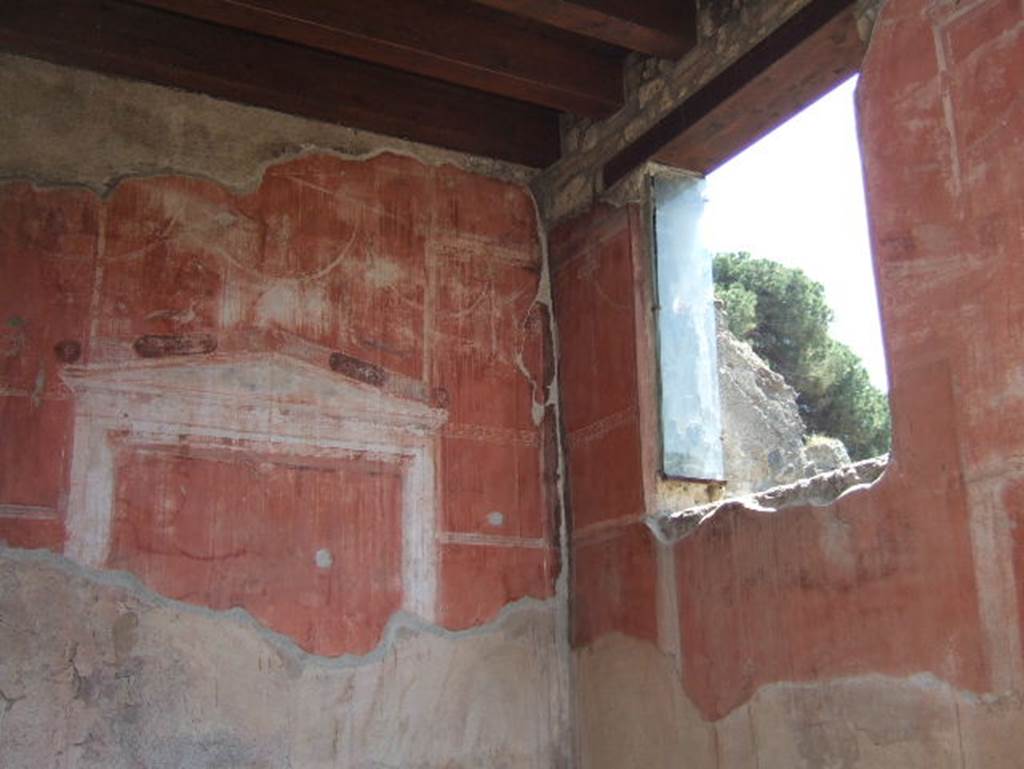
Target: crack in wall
pixel 563 589
pixel 7 702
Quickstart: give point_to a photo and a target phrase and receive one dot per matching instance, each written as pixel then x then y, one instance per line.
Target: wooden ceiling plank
pixel 664 28
pixel 810 53
pixel 124 39
pixel 451 40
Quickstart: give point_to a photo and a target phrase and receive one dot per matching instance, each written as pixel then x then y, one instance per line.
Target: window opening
pixel 769 340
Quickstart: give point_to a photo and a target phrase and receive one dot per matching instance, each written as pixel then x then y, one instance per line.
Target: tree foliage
pixel 784 316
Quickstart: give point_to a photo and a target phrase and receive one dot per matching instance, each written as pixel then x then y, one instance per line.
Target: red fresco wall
pixel 884 580
pixel 206 541
pixel 48 244
pixel 423 277
pixel 594 263
pixel 856 587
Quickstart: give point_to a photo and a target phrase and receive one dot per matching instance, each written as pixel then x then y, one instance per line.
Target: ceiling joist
pixel 456 41
pixel 665 28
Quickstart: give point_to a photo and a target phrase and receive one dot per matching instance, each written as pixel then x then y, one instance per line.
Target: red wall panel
pixel 239 529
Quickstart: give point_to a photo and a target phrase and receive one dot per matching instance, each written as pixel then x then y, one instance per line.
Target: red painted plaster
pixel 424 274
pixel 493 487
pixel 1013 498
pixel 48 242
pixel 34 451
pixel 594 307
pixel 593 259
pixel 48 245
pixel 477 579
pixel 593 285
pixel 614 574
pixel 227 529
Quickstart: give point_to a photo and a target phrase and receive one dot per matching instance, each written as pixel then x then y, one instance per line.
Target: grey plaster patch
pixel 323 558
pixel 65 126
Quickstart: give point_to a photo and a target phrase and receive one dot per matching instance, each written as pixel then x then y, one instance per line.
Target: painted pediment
pixel 252 381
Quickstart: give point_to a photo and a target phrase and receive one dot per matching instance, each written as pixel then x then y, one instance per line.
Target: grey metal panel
pixel 691 419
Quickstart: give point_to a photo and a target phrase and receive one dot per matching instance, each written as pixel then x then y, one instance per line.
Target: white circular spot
pixel 324 559
pixel 495 518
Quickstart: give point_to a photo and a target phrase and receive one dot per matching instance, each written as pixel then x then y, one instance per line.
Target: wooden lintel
pixel 665 28
pixel 810 53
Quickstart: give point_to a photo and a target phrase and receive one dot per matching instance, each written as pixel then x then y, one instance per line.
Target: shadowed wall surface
pixel 907 592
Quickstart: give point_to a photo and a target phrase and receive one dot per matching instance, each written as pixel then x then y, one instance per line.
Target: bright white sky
pixel 797 197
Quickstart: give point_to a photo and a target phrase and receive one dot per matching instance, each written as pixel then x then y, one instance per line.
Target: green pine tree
pixel 784 316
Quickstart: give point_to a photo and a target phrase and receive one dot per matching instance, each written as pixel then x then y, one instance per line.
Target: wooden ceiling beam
pixel 143 43
pixel 810 53
pixel 664 28
pixel 452 40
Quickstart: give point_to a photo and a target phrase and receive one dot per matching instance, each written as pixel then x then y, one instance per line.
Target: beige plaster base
pixel 633 712
pixel 97 672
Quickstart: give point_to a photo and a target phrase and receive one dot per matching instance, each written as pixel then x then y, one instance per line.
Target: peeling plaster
pixel 821 490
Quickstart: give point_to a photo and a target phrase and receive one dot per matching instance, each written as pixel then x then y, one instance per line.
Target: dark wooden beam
pixel 803 59
pixel 147 44
pixel 665 28
pixel 456 41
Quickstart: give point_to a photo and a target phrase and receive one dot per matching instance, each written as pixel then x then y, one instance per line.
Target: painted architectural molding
pixel 264 407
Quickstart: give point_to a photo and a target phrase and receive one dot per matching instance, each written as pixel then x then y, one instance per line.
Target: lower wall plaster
pixel 633 711
pixel 112 675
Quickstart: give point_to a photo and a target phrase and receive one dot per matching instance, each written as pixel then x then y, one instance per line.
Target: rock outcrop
pixel 764 438
pixel 823 454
